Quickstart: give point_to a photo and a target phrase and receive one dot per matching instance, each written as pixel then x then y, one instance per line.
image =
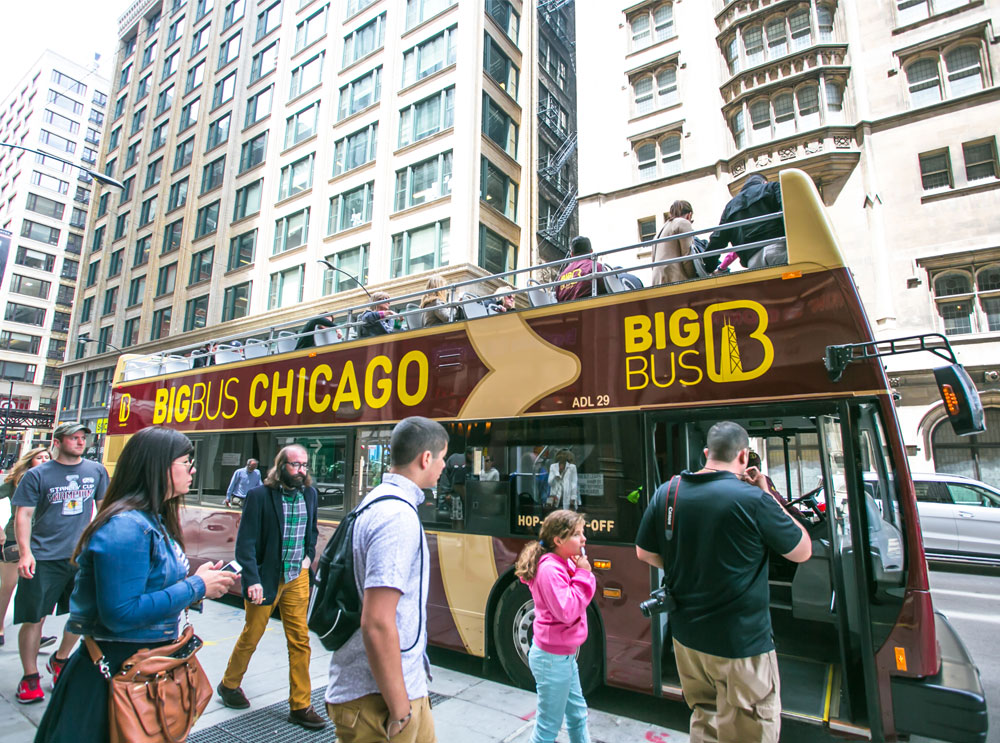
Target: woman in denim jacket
pixel 133 582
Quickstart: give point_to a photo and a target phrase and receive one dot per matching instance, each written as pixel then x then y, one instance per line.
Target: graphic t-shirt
pixel 63 497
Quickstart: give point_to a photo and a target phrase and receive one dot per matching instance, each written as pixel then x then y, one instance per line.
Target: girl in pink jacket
pixel 556 570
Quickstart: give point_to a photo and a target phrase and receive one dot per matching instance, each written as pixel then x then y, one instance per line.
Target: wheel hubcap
pixel 523 620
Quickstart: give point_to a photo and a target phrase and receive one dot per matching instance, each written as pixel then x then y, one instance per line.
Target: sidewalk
pixel 467 709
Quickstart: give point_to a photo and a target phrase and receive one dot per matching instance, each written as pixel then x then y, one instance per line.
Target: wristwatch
pixel 400 723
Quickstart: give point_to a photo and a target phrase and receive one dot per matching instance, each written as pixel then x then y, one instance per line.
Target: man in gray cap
pixel 55 502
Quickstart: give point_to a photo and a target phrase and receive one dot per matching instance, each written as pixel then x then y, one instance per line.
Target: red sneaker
pixel 55 667
pixel 30 689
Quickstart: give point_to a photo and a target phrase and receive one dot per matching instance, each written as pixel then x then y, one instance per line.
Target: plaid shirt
pixel 293 536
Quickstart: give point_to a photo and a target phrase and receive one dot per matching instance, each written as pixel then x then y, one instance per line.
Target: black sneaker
pixel 233 698
pixel 46 641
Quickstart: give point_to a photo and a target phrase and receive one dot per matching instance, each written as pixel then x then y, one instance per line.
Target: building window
pixel 355 149
pixel 788 112
pixel 306 76
pixel 196 313
pixel 40 232
pixel 980 160
pixel 296 177
pixel 19 342
pixel 911 11
pixel 659 158
pixel 421 249
pixel 131 154
pixel 647 229
pixel 241 250
pixel 45 207
pixel 71 391
pixel 496 254
pixel 364 40
pixel 15 370
pixel 158 138
pixel 136 291
pixel 130 332
pixel 140 256
pixel 224 90
pixel 268 20
pixel 286 288
pixel 968 298
pixel 264 63
pixel 49 181
pixel 500 67
pixel 62 122
pixel 29 286
pixel 218 132
pixel 252 152
pixel 161 324
pixel 66 82
pixel 178 194
pixel 778 36
pixel 207 220
pixel 247 200
pixel 417 11
pixel 236 302
pixel 115 261
pixel 195 77
pixel 499 127
pixel 427 117
pixel 110 300
pixel 34 259
pixel 498 190
pixel 165 279
pixel 655 91
pixel 172 237
pixel 351 209
pixel 962 73
pixel 354 7
pixel 201 266
pixel 359 94
pixel 353 265
pixel 651 25
pixel 56 142
pixel 184 153
pixel 176 30
pixel 164 100
pixel 423 181
pixel 301 125
pixel 935 170
pixel 429 56
pixel 259 105
pixel 147 212
pixel 291 231
pixel 87 309
pixel 312 29
pixel 93 271
pixel 233 12
pixel 22 313
pixel 229 49
pixel 504 14
pixel 212 174
pixel 121 225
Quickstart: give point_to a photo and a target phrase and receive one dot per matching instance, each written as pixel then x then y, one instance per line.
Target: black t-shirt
pixel 722 529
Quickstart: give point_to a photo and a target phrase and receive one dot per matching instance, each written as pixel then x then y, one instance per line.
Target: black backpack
pixel 335 607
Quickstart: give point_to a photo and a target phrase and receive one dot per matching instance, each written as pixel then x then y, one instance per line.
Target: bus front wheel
pixel 512 633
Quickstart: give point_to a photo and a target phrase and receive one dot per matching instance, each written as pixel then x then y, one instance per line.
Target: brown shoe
pixel 234 698
pixel 307 718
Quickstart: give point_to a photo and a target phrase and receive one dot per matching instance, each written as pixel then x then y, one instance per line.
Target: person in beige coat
pixel 679 221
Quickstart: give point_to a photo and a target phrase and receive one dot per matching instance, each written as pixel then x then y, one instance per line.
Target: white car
pixel 959 516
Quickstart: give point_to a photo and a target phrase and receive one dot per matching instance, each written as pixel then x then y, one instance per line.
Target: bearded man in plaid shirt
pixel 275 546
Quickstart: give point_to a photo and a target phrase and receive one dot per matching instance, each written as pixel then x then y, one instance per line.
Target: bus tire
pixel 512 636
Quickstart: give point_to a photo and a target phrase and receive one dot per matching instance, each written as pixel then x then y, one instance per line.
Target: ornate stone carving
pixel 740 168
pixel 842 142
pixel 762 160
pixel 787 153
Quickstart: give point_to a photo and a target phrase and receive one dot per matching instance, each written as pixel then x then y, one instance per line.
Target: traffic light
pixel 961 400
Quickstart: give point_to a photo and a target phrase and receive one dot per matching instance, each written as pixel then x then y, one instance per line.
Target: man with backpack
pixel 378 676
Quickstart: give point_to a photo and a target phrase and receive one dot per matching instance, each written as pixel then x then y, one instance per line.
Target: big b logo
pixel 124 408
pixel 739 332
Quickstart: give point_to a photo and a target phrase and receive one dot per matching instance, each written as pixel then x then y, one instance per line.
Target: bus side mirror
pixel 961 400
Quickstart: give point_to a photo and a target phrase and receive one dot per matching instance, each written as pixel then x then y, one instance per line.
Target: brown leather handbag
pixel 158 694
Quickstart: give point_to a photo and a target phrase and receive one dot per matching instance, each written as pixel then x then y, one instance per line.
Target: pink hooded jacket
pixel 561 594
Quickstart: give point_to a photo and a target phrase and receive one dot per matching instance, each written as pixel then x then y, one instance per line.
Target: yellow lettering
pixel 673 370
pixel 282 392
pixel 661 331
pixel 224 390
pixel 384 384
pixel 322 371
pixel 197 399
pixel 637 337
pixel 300 391
pixel 183 403
pixel 405 396
pixel 160 406
pixel 687 334
pixel 680 361
pixel 728 367
pixel 208 400
pixel 257 408
pixel 640 372
pixel 170 405
pixel 347 389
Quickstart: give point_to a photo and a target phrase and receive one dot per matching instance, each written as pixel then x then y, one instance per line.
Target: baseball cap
pixel 68 429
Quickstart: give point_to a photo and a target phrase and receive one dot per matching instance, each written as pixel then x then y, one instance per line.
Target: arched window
pixel 663 23
pixel 666 87
pixel 643 90
pixel 965 74
pixel 952 283
pixel 670 155
pixel 976 456
pixel 777 38
pixel 807 98
pixel 646 156
pixel 640 31
pixel 760 120
pixel 824 22
pixel 753 45
pixel 801 32
pixel 737 123
pixel 652 25
pixel 784 115
pixel 653 92
pixel 924 81
pixel 660 158
pixel 834 97
pixel 956 314
pixel 988 280
pixel 731 49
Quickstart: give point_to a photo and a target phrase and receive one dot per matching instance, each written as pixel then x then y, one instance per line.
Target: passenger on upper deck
pixel 583 266
pixel 500 301
pixel 757 197
pixel 307 337
pixel 435 313
pixel 679 221
pixel 377 320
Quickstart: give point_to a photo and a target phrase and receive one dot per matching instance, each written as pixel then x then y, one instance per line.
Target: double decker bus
pixel 625 385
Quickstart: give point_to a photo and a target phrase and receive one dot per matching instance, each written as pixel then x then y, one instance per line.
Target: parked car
pixel 959 516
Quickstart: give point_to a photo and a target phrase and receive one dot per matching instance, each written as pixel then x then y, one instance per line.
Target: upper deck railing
pixel 285 337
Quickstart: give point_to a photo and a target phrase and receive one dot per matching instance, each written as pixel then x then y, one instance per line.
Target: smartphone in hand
pixel 232 567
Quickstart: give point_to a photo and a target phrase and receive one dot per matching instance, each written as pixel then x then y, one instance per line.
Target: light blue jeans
pixel 557 681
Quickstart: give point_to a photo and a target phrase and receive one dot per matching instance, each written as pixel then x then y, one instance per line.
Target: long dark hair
pixel 142 481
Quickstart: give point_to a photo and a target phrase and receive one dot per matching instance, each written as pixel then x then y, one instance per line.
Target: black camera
pixel 660 600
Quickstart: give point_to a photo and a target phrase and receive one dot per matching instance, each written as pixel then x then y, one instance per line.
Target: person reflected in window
pixel 307 336
pixel 377 320
pixel 580 249
pixel 564 490
pixel 679 221
pixel 435 313
pixel 489 473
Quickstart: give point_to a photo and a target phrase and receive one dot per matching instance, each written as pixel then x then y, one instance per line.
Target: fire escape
pixel 551 224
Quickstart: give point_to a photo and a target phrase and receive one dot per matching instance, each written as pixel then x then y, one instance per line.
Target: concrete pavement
pixel 467 709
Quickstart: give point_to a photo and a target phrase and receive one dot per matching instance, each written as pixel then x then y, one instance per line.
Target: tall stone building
pixel 58 107
pixel 890 106
pixel 395 140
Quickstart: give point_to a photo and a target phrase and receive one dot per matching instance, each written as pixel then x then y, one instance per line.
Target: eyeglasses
pixel 304 466
pixel 188 465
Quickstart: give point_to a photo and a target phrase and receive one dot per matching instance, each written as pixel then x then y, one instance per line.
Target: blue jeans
pixel 557 681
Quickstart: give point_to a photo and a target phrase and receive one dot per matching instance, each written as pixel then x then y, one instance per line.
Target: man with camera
pixel 710 531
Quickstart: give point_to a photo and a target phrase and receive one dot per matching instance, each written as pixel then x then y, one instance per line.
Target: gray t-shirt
pixel 63 497
pixel 387 538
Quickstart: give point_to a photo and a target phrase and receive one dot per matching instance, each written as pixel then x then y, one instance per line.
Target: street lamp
pixel 99 177
pixel 113 347
pixel 351 276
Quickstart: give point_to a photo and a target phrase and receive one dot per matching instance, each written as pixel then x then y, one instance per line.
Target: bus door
pixel 814 612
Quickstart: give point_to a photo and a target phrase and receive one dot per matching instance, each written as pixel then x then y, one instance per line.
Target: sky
pixel 76 29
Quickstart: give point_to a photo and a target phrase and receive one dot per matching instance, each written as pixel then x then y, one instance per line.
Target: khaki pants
pixel 732 700
pixel 362 721
pixel 293 598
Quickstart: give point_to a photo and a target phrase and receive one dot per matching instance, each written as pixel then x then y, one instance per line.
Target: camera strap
pixel 670 507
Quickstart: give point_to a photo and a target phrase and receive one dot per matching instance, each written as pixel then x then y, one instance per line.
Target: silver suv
pixel 959 516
